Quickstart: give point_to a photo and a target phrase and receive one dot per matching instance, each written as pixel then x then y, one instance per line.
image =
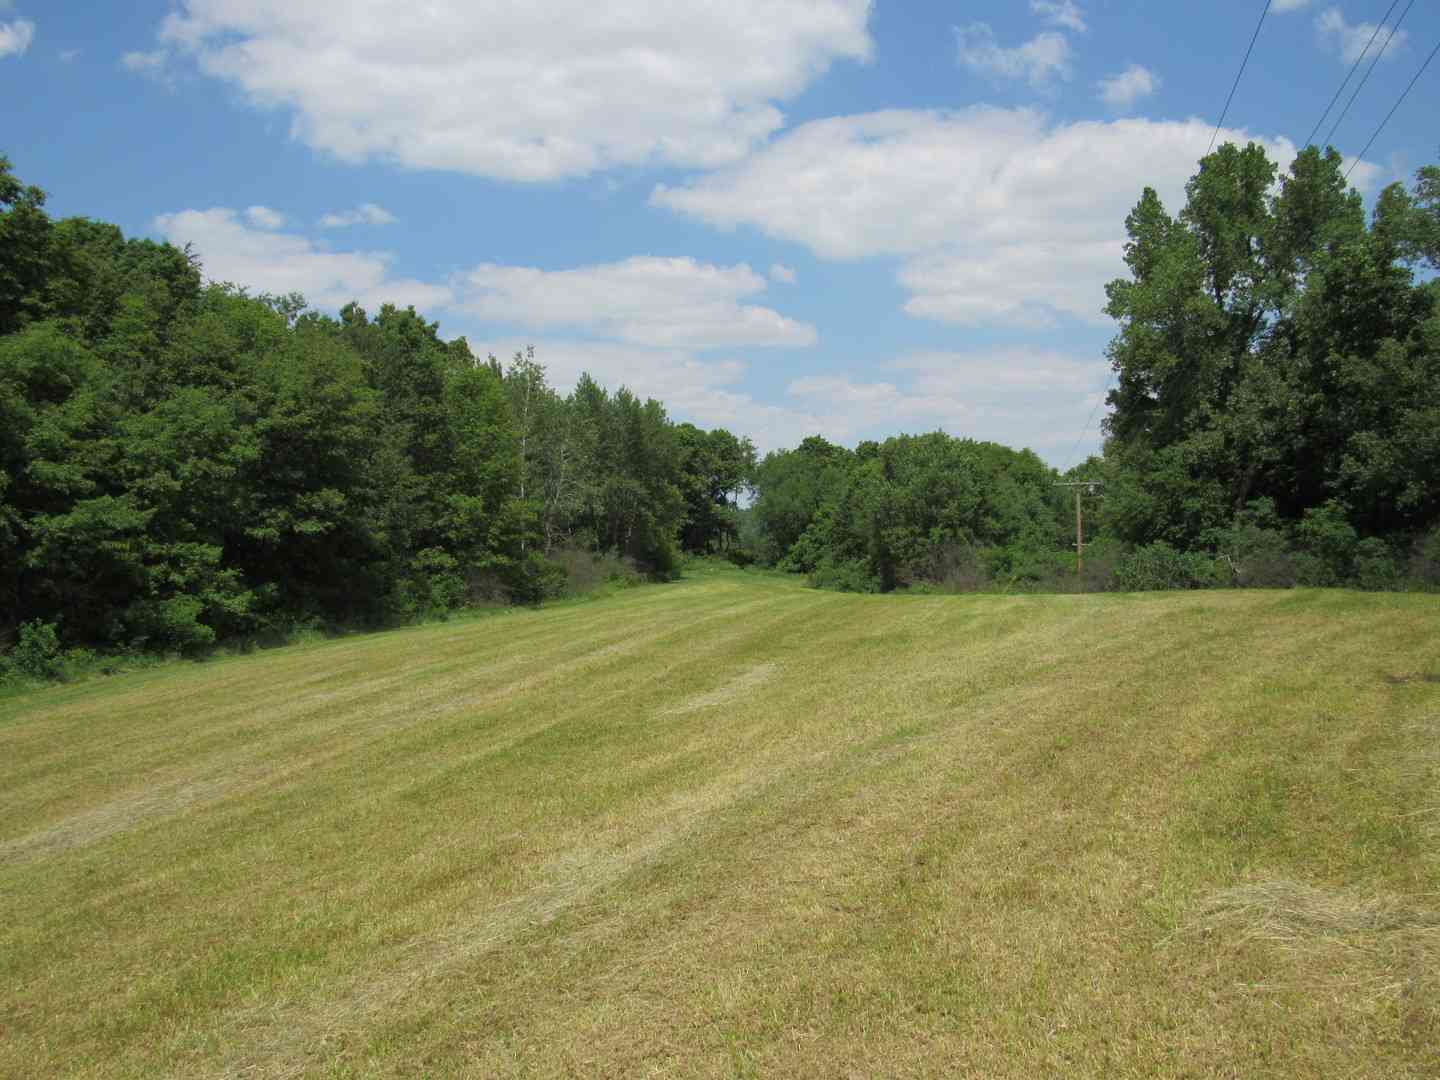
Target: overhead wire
pixel 1400 101
pixel 1213 135
pixel 1353 68
pixel 1235 85
pixel 1330 138
pixel 1070 461
pixel 1226 110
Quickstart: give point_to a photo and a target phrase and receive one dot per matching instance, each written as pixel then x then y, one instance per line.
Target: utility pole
pixel 1079 520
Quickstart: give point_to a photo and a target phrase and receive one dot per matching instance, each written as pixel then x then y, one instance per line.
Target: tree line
pixel 1275 419
pixel 183 463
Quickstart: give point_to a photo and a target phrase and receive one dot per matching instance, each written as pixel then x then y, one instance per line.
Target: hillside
pixel 736 827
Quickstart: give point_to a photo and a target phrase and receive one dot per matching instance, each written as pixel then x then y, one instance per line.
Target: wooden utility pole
pixel 1079 520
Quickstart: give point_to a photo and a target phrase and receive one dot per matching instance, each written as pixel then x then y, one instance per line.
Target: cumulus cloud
pixel 262 217
pixel 1124 90
pixel 1281 7
pixel 264 260
pixel 15 37
pixel 365 214
pixel 151 65
pixel 645 300
pixel 524 91
pixel 1039 61
pixel 1067 13
pixel 1022 397
pixel 782 273
pixel 706 392
pixel 999 216
pixel 1352 40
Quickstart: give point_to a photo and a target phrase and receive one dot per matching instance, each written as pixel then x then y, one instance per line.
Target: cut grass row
pixel 732 827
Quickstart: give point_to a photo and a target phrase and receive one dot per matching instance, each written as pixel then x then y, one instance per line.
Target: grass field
pixel 736 827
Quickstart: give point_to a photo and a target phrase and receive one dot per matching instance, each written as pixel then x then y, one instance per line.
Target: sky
pixel 782 217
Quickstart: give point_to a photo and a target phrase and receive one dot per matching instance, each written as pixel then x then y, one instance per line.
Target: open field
pixel 735 827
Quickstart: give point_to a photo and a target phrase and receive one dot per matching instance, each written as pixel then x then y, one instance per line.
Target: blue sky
pixel 785 218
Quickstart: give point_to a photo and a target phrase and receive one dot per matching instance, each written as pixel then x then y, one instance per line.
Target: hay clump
pixel 1291 911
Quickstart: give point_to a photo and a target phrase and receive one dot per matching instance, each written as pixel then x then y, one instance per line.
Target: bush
pixel 583 572
pixel 1326 534
pixel 741 557
pixel 1160 566
pixel 37 651
pixel 851 576
pixel 1376 568
pixel 535 579
pixel 1102 563
pixel 435 585
pixel 663 560
pixel 1425 562
pixel 954 568
pixel 1255 548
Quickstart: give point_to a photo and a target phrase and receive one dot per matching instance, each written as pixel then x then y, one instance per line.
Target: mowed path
pixel 735 827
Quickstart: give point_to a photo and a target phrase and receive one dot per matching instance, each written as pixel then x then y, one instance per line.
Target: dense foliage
pixel 1278 362
pixel 1276 416
pixel 910 509
pixel 182 463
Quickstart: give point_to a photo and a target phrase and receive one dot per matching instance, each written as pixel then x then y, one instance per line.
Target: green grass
pixel 735 827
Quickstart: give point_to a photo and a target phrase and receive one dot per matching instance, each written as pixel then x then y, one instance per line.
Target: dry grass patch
pixel 737 828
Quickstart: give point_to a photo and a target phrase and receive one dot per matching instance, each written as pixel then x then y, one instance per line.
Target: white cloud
pixel 1036 398
pixel 1040 60
pixel 702 391
pixel 151 65
pixel 1351 40
pixel 1020 397
pixel 365 214
pixel 279 263
pixel 782 273
pixel 999 216
pixel 524 91
pixel 1281 7
pixel 1067 13
pixel 262 217
pixel 645 300
pixel 15 37
pixel 1124 90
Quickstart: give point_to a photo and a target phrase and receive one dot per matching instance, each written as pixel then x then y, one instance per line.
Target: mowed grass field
pixel 734 827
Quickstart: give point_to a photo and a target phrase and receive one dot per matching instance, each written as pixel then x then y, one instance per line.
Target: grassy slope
pixel 734 827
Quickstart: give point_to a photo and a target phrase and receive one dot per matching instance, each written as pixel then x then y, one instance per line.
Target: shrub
pixel 953 568
pixel 1326 534
pixel 1425 561
pixel 741 557
pixel 852 576
pixel 1160 566
pixel 663 560
pixel 534 579
pixel 435 586
pixel 1102 562
pixel 1255 548
pixel 37 651
pixel 584 571
pixel 1376 568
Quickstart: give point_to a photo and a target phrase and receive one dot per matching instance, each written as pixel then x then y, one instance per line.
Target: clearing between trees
pixel 737 827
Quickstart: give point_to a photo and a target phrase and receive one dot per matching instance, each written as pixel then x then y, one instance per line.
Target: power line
pixel 1330 139
pixel 1353 68
pixel 1086 429
pixel 1235 85
pixel 1391 113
